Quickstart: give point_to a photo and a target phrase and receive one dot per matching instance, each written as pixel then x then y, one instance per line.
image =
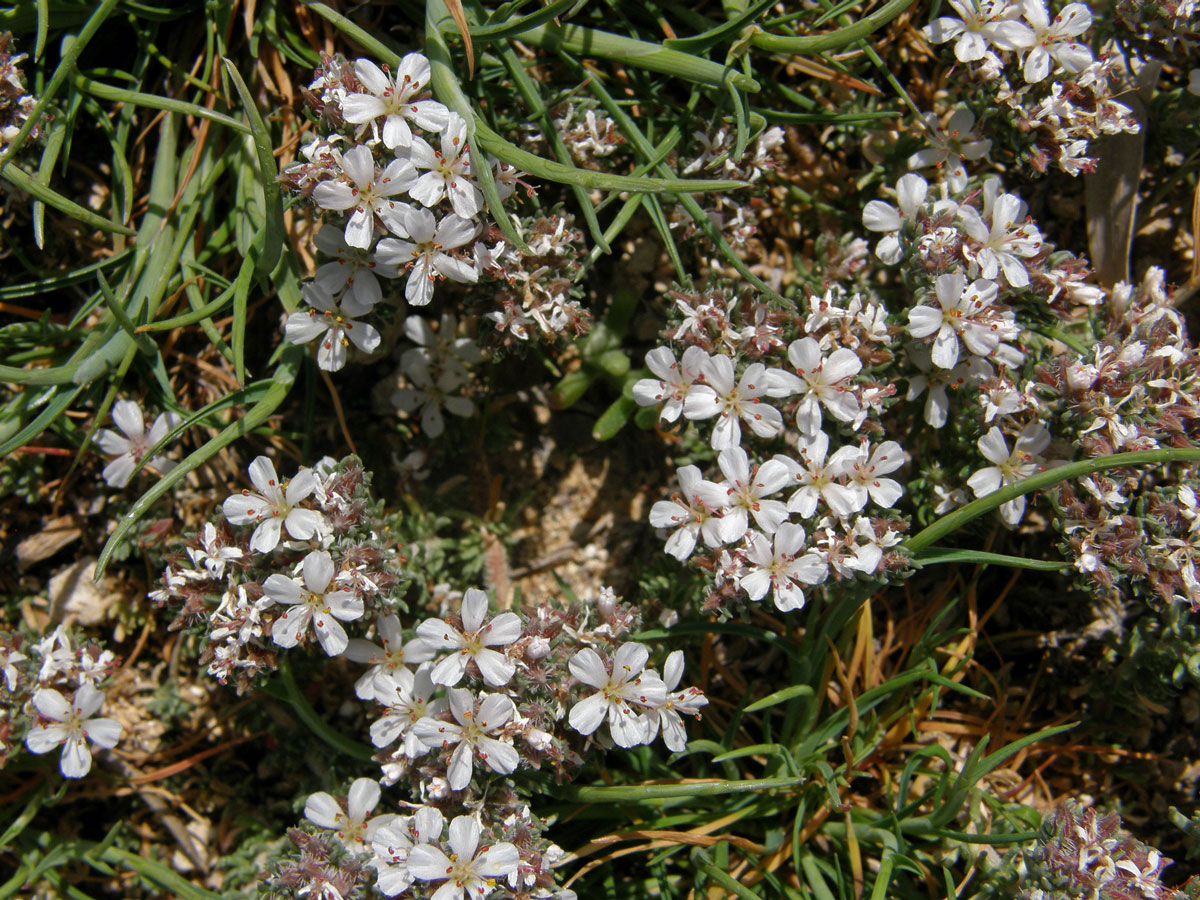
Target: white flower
pixel 473 643
pixel 274 508
pixel 952 147
pixel 746 493
pixel 964 311
pixel 353 827
pixel 212 554
pixel 424 254
pixel 865 471
pixel 615 692
pixel 466 872
pixel 354 271
pixel 720 396
pixel 393 655
pixel 367 192
pixel 449 172
pixel 407 698
pixel 393 842
pixel 442 347
pixel 938 380
pixel 135 444
pixel 314 603
pixel 8 666
pixel 688 701
pixel 1053 39
pixel 392 98
pixel 334 324
pixel 430 395
pixel 1001 246
pixel 1009 468
pixel 879 216
pixel 70 724
pixel 820 480
pixel 675 380
pixel 694 511
pixel 982 22
pixel 780 569
pixel 471 733
pixel 821 382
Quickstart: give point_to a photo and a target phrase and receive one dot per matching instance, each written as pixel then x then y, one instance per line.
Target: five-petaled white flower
pixel 780 568
pixel 911 190
pixel 430 394
pixel 449 170
pixel 1009 468
pixel 72 726
pixel 1054 39
pixel 274 507
pixel 352 270
pixel 471 732
pixel 692 512
pixel 392 98
pixel 393 655
pixel 473 643
pixel 312 601
pixel 467 872
pixel 746 491
pixel 675 379
pixel 367 193
pixel 734 402
pixel 353 827
pixel 616 693
pixel 1000 246
pixel 964 311
pixel 983 22
pixel 135 444
pixel 334 323
pixel 407 697
pixel 425 252
pixel 393 842
pixel 821 382
pixel 688 701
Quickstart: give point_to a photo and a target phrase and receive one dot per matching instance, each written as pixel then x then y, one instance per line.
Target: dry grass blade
pixel 454 7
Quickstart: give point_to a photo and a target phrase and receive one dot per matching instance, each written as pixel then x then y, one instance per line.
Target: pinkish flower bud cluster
pixel 15 103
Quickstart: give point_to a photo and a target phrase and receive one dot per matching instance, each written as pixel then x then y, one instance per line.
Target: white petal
pixel 321 809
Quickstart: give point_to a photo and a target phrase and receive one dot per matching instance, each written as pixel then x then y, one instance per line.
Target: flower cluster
pixel 398 170
pixel 745 519
pixel 1064 98
pixel 15 104
pixel 52 686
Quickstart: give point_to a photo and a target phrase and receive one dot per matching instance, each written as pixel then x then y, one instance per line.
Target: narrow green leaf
pixel 833 40
pixel 780 696
pixel 62 400
pixel 487 34
pixel 729 30
pixel 649 793
pixel 951 522
pixel 18 177
pixel 154 101
pixel 942 555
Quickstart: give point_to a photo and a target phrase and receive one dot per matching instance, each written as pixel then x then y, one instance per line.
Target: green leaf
pixel 780 696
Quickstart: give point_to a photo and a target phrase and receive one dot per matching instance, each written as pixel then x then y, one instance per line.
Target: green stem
pixel 951 522
pixel 650 792
pixel 309 716
pixel 833 40
pixel 942 555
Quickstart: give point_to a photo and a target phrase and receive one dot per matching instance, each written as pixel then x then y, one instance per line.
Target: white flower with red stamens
pixel 471 732
pixel 392 99
pixel 734 403
pixel 366 191
pixel 449 171
pixel 779 567
pixel 689 701
pixel 135 444
pixel 425 252
pixel 274 507
pixel 407 698
pixel 616 693
pixel 71 725
pixel 311 601
pixel 694 511
pixel 392 656
pixel 352 270
pixel 352 826
pixel 335 325
pixel 1009 468
pixel 474 643
pixel 821 381
pixel 468 872
pixel 675 380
